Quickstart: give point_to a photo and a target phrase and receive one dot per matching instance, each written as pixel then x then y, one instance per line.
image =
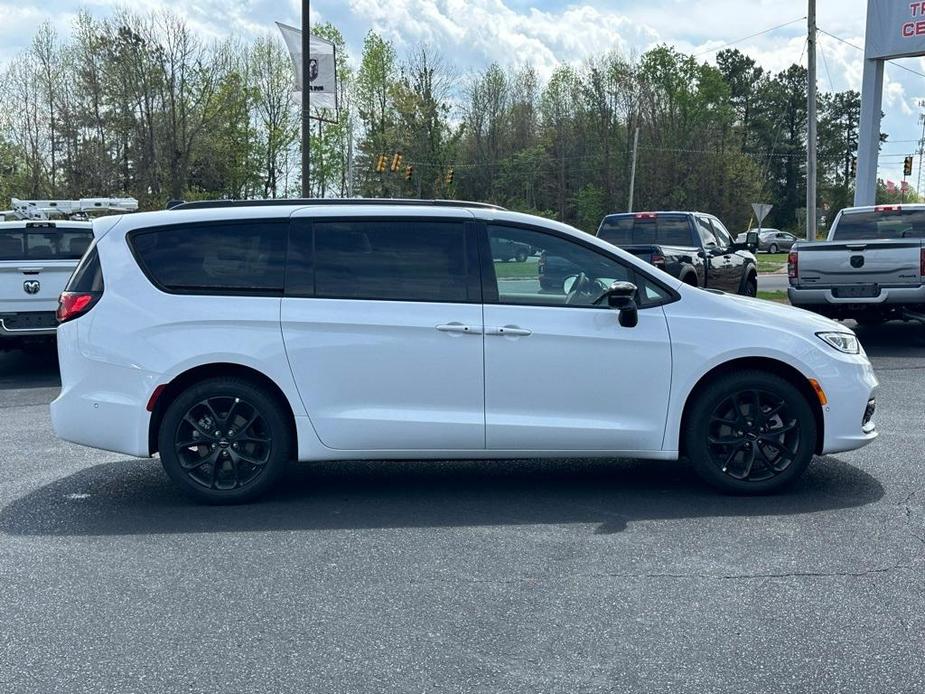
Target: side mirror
pixel 751 240
pixel 621 296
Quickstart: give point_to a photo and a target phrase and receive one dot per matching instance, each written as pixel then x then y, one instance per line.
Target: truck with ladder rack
pixel 41 243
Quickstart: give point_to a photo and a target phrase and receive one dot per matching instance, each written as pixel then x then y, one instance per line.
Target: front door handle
pixel 459 328
pixel 508 331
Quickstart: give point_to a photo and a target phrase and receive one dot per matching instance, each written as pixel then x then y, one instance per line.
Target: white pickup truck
pixel 871 268
pixel 36 259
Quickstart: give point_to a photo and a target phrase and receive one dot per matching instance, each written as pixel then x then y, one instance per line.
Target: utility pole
pixel 306 101
pixel 918 188
pixel 629 206
pixel 350 157
pixel 811 124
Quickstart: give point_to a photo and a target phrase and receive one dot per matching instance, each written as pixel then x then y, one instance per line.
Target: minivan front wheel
pixel 224 440
pixel 750 433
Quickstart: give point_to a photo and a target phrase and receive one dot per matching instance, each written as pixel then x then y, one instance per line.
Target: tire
pixel 219 469
pixel 690 279
pixel 522 255
pixel 759 461
pixel 749 285
pixel 773 248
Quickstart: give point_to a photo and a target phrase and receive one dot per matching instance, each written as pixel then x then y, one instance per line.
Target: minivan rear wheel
pixel 224 440
pixel 750 433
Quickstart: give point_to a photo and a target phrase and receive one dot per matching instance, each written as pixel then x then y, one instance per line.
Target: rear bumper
pixel 28 324
pixel 101 405
pixel 805 297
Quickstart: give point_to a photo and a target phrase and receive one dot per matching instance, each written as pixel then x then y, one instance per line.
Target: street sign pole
pixel 306 101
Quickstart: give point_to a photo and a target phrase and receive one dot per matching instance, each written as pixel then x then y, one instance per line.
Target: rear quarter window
pixel 215 257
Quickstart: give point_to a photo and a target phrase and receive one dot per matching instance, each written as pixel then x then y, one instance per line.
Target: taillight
pixel 74 304
pixel 658 261
pixel 793 265
pixel 645 215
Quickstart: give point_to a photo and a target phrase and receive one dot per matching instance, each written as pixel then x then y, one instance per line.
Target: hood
pixel 773 313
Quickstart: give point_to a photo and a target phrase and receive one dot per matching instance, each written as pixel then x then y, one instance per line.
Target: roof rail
pixel 210 204
pixel 44 209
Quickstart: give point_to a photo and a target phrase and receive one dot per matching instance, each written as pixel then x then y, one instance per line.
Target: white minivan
pixel 233 337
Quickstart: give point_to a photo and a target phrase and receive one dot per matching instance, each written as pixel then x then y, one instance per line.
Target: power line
pixel 750 36
pixel 858 48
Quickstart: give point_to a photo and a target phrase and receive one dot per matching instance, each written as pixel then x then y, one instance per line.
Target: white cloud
pixel 476 32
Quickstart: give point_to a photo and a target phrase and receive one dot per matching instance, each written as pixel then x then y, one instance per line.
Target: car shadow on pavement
pixel 135 497
pixel 35 366
pixel 893 339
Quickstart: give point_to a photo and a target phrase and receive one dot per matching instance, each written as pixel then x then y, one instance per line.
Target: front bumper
pixel 849 414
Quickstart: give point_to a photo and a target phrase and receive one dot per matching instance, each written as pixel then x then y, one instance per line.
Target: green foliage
pixel 139 104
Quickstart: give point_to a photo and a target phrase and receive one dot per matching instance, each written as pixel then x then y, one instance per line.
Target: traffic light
pixel 450 174
pixel 380 164
pixel 907 166
pixel 409 172
pixel 396 162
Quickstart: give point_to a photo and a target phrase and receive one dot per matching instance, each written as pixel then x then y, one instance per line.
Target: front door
pixel 382 322
pixel 560 373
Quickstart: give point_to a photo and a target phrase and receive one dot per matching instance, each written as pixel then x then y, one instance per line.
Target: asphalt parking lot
pixel 555 576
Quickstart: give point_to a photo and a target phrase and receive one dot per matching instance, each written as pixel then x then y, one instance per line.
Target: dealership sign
pixel 895 29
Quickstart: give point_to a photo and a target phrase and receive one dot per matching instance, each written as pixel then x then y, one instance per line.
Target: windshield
pixel 630 230
pixel 882 224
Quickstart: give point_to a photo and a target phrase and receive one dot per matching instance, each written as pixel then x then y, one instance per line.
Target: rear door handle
pixel 509 331
pixel 459 328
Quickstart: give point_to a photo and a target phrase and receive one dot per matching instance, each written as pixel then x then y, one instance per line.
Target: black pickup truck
pixel 692 246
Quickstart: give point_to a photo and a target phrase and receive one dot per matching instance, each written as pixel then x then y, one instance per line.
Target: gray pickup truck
pixel 871 268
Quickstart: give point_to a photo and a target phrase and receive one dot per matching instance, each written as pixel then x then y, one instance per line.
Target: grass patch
pixel 515 270
pixel 779 297
pixel 771 262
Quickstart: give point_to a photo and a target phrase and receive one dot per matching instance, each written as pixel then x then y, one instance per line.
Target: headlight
pixel 843 342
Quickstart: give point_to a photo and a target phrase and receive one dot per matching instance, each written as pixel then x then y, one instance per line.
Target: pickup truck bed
pixel 871 269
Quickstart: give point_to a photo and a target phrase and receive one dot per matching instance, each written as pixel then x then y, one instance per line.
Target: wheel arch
pixel 688 275
pixel 769 365
pixel 204 372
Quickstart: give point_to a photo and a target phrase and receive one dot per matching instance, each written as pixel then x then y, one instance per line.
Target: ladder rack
pixel 45 209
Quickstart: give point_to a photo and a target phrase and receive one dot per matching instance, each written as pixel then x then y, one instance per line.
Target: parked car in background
pixel 692 246
pixel 234 338
pixel 871 268
pixel 36 260
pixel 506 251
pixel 771 240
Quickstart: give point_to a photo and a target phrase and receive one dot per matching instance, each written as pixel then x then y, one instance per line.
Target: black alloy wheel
pixel 224 441
pixel 751 432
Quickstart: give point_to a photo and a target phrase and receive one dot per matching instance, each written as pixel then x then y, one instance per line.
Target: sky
pixel 471 34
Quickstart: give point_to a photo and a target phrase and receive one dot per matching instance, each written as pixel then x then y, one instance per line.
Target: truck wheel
pixel 224 441
pixel 750 432
pixel 691 279
pixel 522 255
pixel 750 285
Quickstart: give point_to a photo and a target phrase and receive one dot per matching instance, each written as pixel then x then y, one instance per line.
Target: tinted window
pixel 542 280
pixel 705 229
pixel 88 275
pixel 221 257
pixel 893 224
pixel 414 260
pixel 725 240
pixel 663 229
pixel 44 244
